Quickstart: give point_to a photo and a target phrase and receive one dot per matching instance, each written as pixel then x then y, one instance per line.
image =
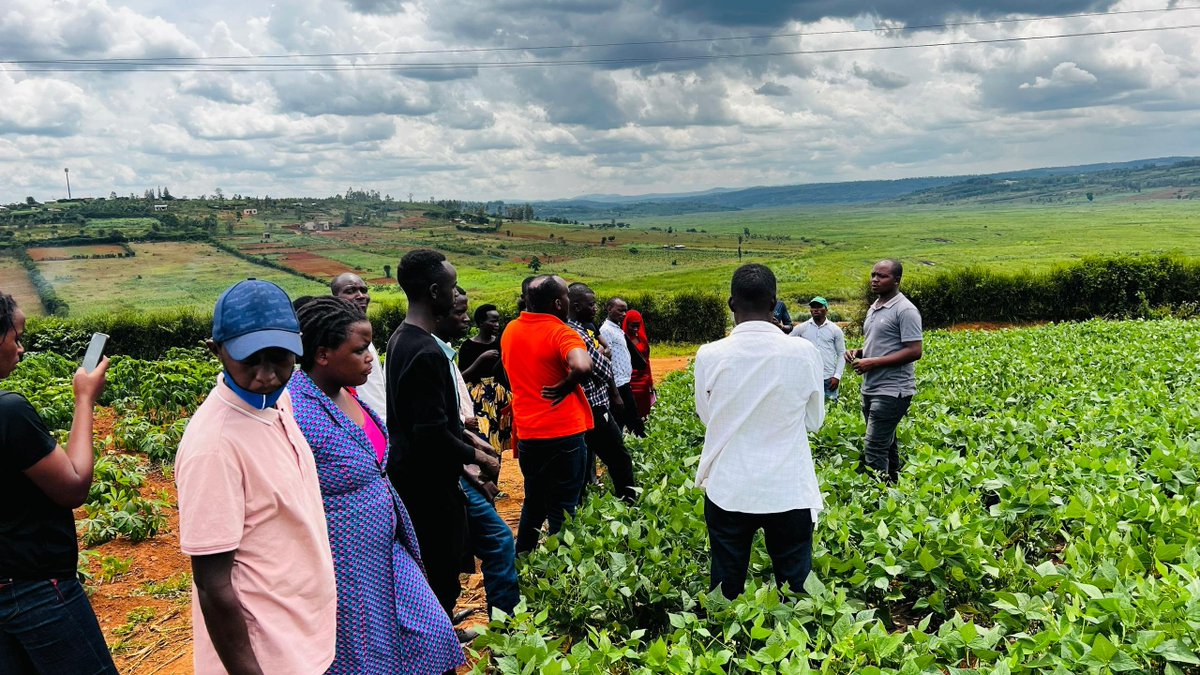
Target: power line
pixel 199 60
pixel 629 61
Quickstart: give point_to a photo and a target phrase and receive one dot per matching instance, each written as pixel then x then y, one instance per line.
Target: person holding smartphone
pixel 46 622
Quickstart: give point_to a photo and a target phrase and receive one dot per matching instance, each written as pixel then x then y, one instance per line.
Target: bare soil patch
pixel 68 252
pixel 14 280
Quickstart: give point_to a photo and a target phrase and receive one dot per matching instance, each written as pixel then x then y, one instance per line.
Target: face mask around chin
pixel 258 401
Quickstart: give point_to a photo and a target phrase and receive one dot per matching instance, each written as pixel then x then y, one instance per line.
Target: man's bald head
pixel 548 295
pixel 349 286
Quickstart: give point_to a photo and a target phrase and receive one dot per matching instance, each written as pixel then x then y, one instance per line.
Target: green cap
pixel 819 301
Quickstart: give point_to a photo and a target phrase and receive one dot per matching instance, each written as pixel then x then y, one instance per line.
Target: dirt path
pixel 145 612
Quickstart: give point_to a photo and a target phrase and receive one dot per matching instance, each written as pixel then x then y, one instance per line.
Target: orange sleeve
pixel 569 340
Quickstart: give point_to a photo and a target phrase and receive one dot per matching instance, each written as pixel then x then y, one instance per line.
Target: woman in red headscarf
pixel 642 382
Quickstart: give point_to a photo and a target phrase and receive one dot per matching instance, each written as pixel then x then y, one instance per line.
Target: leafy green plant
pixel 1045 522
pixel 112 567
pixel 173 587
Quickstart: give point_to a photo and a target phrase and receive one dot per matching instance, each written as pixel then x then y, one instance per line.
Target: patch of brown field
pixel 993 325
pixel 661 367
pixel 316 265
pixel 68 252
pixel 14 280
pixel 163 644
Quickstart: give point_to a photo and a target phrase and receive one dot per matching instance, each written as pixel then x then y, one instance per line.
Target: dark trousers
pixel 492 543
pixel 606 441
pixel 439 518
pixel 731 534
pixel 554 471
pixel 881 453
pixel 630 418
pixel 49 627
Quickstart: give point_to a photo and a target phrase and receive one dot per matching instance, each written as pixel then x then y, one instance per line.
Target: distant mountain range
pixel 1041 183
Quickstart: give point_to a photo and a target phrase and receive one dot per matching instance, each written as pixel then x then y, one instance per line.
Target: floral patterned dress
pixel 388 620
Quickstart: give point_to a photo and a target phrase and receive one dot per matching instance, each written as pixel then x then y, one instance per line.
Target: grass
pixel 160 276
pixel 173 587
pixel 14 280
pixel 812 250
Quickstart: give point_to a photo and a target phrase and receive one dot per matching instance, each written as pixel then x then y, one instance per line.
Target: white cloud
pixel 1064 75
pixel 473 132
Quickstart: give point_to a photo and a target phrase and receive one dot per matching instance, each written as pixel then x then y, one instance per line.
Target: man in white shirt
pixel 613 334
pixel 829 340
pixel 350 286
pixel 758 393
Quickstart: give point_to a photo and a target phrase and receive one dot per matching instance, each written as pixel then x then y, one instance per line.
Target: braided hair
pixel 8 312
pixel 325 322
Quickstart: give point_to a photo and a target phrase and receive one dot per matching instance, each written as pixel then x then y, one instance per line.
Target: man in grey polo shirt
pixel 892 332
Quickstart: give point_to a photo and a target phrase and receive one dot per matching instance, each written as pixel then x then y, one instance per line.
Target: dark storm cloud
pixel 880 77
pixel 773 89
pixel 766 13
pixel 376 6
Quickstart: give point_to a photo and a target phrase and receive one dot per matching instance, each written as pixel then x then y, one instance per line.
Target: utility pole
pixel 67 173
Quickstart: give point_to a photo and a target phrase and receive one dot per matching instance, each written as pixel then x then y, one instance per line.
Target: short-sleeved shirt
pixel 37 536
pixel 248 483
pixel 535 348
pixel 887 327
pixel 622 361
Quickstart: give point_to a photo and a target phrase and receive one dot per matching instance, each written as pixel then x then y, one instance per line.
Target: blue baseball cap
pixel 253 315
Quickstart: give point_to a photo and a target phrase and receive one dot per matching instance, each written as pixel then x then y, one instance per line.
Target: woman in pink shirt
pixel 388 619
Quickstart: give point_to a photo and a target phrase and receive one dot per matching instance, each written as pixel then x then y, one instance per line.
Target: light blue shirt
pixel 830 342
pixel 454 376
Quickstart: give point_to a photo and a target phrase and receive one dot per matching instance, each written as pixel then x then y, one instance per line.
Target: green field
pixel 1043 524
pixel 826 251
pixel 813 250
pixel 161 276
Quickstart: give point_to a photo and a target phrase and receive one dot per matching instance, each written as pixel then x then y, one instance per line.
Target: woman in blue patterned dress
pixel 388 620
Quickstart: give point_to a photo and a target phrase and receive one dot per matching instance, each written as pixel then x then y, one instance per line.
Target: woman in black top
pixel 47 625
pixel 479 361
pixel 485 345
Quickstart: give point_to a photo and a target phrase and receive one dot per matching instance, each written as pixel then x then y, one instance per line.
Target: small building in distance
pixel 266 237
pixel 249 212
pixel 160 207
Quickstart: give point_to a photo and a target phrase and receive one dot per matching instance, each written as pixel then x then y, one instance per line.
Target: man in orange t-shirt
pixel 546 361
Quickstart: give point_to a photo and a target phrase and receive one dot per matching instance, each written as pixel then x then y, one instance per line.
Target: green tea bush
pixel 1112 287
pixel 690 316
pixel 1045 522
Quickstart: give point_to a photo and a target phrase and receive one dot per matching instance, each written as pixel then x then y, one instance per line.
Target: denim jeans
pixel 554 471
pixel 831 394
pixel 606 441
pixel 788 537
pixel 49 628
pixel 492 543
pixel 881 452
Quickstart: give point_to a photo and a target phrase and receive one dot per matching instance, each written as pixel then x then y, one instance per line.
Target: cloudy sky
pixel 618 118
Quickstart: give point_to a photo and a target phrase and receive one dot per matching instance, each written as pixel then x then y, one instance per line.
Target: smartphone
pixel 94 351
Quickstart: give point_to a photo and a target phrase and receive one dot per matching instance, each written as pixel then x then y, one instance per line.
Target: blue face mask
pixel 259 401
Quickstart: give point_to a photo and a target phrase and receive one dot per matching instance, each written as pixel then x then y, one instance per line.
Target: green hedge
pixel 686 317
pixel 52 303
pixel 689 317
pixel 1109 287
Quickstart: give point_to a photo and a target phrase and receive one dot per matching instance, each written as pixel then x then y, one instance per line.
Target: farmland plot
pixel 1046 522
pixel 164 275
pixel 14 280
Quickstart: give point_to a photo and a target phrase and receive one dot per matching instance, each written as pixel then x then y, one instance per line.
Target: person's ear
pixel 730 303
pixel 321 358
pixel 213 347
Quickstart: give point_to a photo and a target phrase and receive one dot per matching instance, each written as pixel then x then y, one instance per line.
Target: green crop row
pixel 1046 521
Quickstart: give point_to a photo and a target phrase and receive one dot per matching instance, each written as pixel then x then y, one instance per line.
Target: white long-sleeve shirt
pixel 830 342
pixel 759 393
